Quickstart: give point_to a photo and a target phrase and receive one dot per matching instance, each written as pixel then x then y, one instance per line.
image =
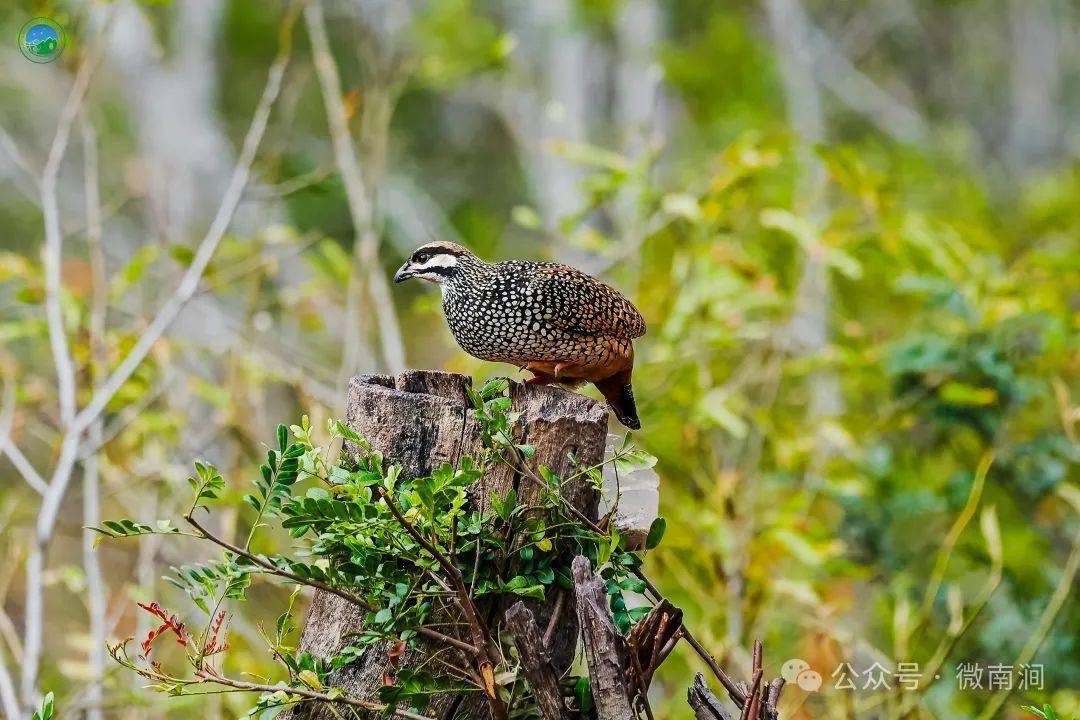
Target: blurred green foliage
pixel 827 499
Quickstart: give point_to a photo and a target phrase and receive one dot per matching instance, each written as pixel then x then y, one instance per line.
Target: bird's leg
pixel 559 367
pixel 539 379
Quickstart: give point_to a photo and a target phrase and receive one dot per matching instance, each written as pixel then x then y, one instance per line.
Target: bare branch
pixel 361 207
pixel 53 250
pixel 96 592
pixel 863 95
pixel 69 450
pixel 22 465
pixel 189 283
pixel 553 621
pixel 65 373
pixel 11 149
pixel 749 709
pixel 9 701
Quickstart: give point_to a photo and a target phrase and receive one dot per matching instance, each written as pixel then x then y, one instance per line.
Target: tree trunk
pixel 420 419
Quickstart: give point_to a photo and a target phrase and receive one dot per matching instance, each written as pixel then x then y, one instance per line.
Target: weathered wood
pixel 534 661
pixel 772 699
pixel 704 702
pixel 605 653
pixel 420 419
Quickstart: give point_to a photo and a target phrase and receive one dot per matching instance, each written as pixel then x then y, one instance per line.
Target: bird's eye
pixel 421 257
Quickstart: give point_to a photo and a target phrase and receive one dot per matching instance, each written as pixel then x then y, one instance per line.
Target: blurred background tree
pixel 854 229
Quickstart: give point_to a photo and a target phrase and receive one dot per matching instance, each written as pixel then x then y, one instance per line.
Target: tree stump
pixel 420 419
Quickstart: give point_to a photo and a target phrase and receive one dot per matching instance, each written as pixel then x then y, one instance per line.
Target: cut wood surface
pixel 420 419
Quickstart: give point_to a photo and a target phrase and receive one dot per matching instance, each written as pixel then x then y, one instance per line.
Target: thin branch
pixel 750 707
pixel 65 373
pixel 361 208
pixel 861 93
pixel 189 283
pixel 9 701
pixel 553 621
pixel 53 250
pixel 7 445
pixel 96 592
pixel 737 695
pixel 481 636
pixel 215 678
pixel 274 569
pixel 122 420
pixel 345 595
pixel 11 149
pixel 69 450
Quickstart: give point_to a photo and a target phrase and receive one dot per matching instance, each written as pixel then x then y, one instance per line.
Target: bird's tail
pixel 619 393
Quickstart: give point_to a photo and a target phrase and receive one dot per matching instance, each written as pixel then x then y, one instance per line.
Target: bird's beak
pixel 403 273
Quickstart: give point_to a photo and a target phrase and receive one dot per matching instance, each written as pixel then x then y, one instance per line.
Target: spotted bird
pixel 553 320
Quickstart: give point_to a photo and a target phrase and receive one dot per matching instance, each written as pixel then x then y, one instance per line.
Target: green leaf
pixel 583 693
pixel 46 711
pixel 656 533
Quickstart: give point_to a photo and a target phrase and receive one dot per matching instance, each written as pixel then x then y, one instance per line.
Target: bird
pixel 560 324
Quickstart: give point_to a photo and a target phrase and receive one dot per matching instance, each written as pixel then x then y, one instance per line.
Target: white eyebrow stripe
pixel 441 260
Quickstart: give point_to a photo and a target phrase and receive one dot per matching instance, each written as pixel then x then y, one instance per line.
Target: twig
pixel 96 593
pixel 69 449
pixel 354 599
pixel 749 710
pixel 361 208
pixel 213 677
pixel 11 148
pixel 859 92
pixel 9 701
pixel 7 446
pixel 481 636
pixel 65 376
pixel 53 250
pixel 553 621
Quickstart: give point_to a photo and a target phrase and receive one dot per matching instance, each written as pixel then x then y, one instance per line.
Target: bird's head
pixel 437 262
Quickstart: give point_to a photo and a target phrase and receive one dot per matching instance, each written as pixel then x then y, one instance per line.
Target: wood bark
pixel 534 661
pixel 420 419
pixel 604 647
pixel 704 702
